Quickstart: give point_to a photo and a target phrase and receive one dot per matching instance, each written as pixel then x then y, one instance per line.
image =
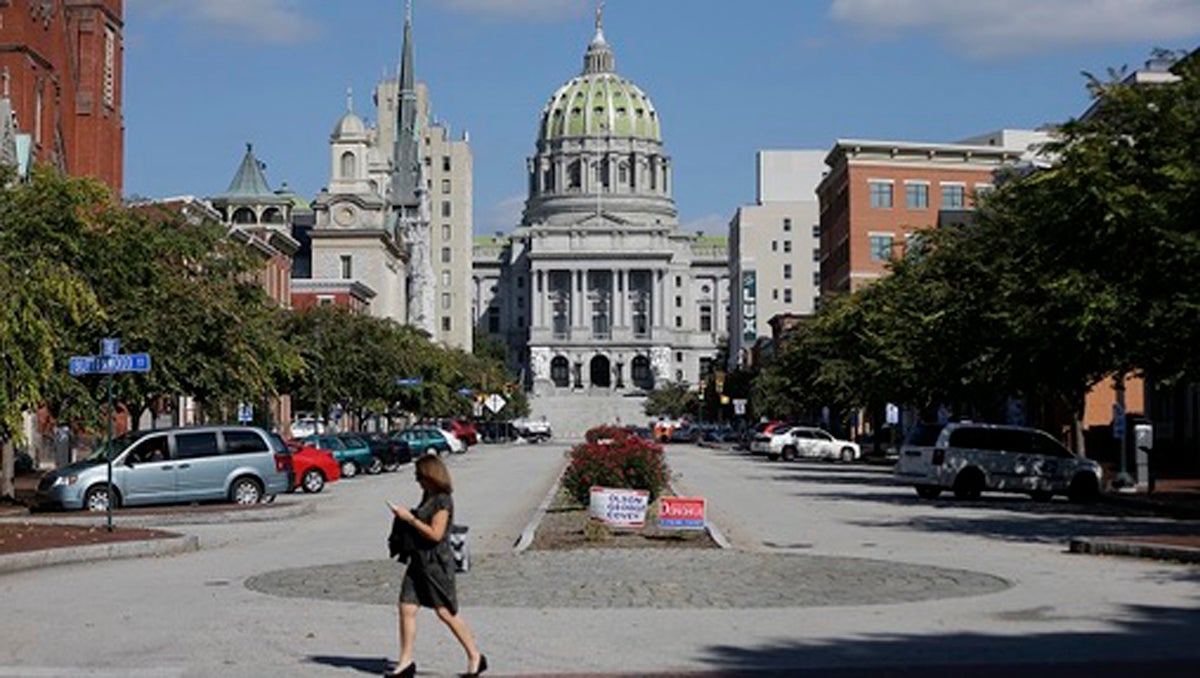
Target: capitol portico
pixel 598 288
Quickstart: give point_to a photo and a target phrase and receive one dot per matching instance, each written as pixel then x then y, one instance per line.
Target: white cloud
pixel 502 216
pixel 710 224
pixel 994 28
pixel 272 21
pixel 523 9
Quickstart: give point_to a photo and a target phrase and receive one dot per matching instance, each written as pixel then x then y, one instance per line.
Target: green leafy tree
pixel 672 400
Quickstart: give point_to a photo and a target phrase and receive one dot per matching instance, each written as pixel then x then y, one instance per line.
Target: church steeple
pixel 406 181
pixel 599 57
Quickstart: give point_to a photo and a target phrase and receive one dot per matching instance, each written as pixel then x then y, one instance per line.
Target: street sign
pixel 245 413
pixel 465 392
pixel 408 382
pixel 477 409
pixel 1118 420
pixel 739 406
pixel 110 346
pixel 109 364
pixel 892 414
pixel 495 402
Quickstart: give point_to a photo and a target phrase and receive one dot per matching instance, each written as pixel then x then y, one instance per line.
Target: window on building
pixel 521 322
pixel 347 267
pixel 446 232
pixel 881 194
pixel 445 185
pixel 787 295
pixel 982 190
pixel 445 255
pixel 954 197
pixel 445 163
pixel 445 300
pixel 349 166
pixel 775 294
pixel 110 68
pixel 678 301
pixel 774 245
pixel 916 196
pixel 493 320
pixel 816 278
pixel 445 208
pixel 678 356
pixel 678 321
pixel 787 224
pixel 445 278
pixel 325 300
pixel 787 245
pixel 881 247
pixel 787 271
pixel 706 318
pixel 520 282
pixel 445 323
pixel 817 231
pixel 679 281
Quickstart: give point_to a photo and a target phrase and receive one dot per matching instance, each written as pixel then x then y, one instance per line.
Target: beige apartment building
pixel 774 252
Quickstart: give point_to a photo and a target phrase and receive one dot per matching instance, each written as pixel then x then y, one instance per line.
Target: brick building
pixel 61 70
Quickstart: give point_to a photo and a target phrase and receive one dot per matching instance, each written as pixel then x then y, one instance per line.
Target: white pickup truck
pixel 533 430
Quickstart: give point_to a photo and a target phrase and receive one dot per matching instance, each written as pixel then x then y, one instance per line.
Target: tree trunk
pixel 8 464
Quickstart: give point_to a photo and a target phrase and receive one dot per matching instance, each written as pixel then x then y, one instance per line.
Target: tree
pixel 672 400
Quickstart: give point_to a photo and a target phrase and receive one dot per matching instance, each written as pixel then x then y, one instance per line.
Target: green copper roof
pixel 249 182
pixel 600 104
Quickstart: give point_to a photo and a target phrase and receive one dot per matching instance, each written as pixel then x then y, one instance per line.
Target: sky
pixel 204 77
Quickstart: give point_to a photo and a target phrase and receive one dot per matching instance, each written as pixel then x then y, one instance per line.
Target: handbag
pixel 404 542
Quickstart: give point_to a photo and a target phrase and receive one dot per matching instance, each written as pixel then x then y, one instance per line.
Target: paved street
pixel 834 568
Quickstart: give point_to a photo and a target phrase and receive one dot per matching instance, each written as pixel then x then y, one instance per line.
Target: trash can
pixel 458 543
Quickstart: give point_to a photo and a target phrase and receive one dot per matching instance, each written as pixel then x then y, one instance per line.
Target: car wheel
pixel 245 491
pixel 375 467
pixel 1042 495
pixel 773 456
pixel 1084 488
pixel 97 499
pixel 847 454
pixel 313 481
pixel 391 465
pixel 968 484
pixel 928 491
pixel 789 453
pixel 349 469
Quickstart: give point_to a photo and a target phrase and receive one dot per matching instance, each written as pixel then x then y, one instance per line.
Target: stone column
pixel 619 299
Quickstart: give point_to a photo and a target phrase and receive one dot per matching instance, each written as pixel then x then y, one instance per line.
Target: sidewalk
pixel 1173 498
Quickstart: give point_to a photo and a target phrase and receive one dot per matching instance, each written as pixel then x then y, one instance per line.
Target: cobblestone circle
pixel 647 578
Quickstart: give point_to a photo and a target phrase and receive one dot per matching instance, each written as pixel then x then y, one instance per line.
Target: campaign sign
pixel 681 513
pixel 619 508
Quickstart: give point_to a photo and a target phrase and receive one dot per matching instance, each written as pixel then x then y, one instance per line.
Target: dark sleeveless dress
pixel 429 579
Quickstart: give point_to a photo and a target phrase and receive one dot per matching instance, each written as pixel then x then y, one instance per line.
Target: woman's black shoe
pixel 480 669
pixel 408 672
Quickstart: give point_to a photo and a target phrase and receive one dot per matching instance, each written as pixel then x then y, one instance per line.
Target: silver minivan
pixel 971 458
pixel 199 463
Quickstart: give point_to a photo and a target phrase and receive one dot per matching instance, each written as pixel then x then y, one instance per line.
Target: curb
pixel 1111 547
pixel 525 540
pixel 28 560
pixel 263 513
pixel 712 530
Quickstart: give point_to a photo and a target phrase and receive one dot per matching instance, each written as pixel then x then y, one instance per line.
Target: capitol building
pixel 598 290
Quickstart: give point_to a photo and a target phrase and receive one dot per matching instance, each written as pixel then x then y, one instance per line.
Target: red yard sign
pixel 683 513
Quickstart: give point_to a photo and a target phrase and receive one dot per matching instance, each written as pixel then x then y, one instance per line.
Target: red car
pixel 312 467
pixel 463 430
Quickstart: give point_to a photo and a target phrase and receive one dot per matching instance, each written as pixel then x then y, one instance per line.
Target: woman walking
pixel 429 579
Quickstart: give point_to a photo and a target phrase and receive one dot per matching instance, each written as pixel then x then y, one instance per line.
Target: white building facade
pixel 598 289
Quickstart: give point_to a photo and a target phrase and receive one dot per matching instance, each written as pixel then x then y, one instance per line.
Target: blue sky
pixel 202 77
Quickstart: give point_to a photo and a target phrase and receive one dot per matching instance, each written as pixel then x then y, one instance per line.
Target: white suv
pixel 970 458
pixel 803 441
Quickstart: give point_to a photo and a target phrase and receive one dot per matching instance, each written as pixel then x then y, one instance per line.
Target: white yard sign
pixel 619 508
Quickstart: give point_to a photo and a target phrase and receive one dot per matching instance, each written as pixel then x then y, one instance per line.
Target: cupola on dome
pixel 599 103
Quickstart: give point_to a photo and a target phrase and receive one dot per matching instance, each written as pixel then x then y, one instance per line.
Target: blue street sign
pixel 408 382
pixel 245 412
pixel 100 364
pixel 110 346
pixel 465 392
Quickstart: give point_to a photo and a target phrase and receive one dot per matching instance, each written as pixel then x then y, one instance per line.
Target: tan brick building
pixel 61 65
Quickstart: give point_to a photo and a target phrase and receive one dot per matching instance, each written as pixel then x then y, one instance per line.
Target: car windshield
pixel 103 451
pixel 279 444
pixel 925 434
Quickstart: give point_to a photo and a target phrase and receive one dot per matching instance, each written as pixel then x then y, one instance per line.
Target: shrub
pixel 601 434
pixel 615 459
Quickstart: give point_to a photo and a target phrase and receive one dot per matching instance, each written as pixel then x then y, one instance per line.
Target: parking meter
pixel 1143 443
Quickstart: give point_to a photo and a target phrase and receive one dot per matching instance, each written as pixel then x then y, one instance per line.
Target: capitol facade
pixel 598 289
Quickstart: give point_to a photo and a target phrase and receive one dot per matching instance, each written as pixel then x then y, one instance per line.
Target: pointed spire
pixel 406 180
pixel 349 99
pixel 249 182
pixel 599 57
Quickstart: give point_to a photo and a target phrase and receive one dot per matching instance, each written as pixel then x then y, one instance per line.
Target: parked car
pixel 643 432
pixel 818 443
pixel 352 454
pixel 424 440
pixel 533 430
pixel 970 458
pixel 312 467
pixel 685 434
pixel 663 428
pixel 392 452
pixel 462 429
pixel 751 433
pixel 242 464
pixel 302 427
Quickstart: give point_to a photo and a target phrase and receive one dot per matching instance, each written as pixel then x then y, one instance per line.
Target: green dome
pixel 600 105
